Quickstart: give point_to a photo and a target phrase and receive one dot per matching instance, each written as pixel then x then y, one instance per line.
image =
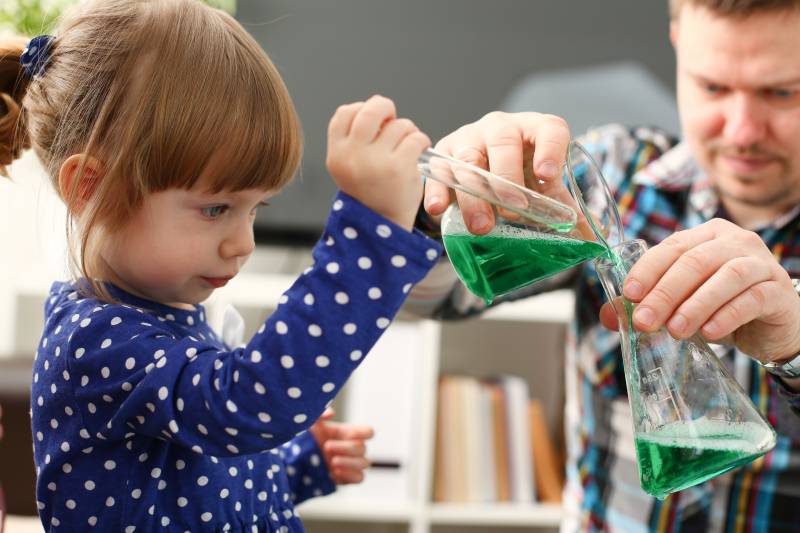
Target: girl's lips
pixel 217 282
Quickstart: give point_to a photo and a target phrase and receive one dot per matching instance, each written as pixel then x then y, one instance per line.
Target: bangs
pixel 218 109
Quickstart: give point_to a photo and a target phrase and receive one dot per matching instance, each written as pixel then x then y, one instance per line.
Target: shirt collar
pixel 677 170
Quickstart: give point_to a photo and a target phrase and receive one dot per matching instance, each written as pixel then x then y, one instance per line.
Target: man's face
pixel 739 101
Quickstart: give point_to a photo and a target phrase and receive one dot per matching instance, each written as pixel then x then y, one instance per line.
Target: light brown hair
pixel 159 92
pixel 734 8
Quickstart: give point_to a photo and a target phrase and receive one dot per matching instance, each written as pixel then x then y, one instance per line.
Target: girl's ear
pixel 77 180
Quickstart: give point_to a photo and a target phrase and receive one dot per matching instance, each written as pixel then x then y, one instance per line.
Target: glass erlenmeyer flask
pixel 691 418
pixel 537 233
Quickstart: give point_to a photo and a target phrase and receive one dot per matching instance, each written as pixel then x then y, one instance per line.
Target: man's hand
pixel 719 280
pixel 528 149
pixel 343 446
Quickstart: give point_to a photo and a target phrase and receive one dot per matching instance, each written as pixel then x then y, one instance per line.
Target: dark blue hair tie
pixel 36 55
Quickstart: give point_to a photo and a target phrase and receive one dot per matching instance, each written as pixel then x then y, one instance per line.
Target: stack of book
pixel 492 444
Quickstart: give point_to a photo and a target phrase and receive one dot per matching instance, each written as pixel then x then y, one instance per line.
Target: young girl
pixel 164 127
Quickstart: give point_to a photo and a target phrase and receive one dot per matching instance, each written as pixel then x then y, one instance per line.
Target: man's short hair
pixel 735 8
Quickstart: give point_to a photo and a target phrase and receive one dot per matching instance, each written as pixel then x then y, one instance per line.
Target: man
pixel 734 182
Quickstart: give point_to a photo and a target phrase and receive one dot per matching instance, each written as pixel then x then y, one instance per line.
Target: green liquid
pixel 679 455
pixel 498 263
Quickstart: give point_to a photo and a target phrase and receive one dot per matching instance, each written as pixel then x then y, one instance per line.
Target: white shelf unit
pixel 517 329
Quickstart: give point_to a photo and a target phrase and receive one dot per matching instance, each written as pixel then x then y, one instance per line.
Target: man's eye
pixel 781 93
pixel 214 211
pixel 713 88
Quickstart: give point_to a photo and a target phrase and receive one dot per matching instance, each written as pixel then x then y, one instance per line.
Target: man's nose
pixel 745 121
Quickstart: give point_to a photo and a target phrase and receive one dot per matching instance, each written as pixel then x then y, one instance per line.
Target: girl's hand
pixel 372 156
pixel 343 447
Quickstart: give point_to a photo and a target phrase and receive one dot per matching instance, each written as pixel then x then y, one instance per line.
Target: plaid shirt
pixel 659 190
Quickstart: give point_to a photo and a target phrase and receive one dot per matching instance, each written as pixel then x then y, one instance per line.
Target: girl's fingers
pixel 371 118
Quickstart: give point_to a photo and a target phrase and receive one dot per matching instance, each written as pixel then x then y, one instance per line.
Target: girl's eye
pixel 214 211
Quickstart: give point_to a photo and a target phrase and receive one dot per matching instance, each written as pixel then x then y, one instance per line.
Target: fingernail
pixel 644 316
pixel 547 170
pixel 479 222
pixel 432 201
pixel 632 290
pixel 677 325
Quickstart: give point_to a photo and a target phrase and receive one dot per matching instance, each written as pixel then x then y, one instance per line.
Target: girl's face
pixel 182 244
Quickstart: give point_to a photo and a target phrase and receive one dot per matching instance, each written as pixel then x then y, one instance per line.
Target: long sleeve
pixel 133 371
pixel 308 473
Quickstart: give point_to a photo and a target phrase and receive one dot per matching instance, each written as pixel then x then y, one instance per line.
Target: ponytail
pixel 13 83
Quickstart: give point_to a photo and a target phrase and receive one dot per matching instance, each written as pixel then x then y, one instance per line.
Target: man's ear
pixel 77 180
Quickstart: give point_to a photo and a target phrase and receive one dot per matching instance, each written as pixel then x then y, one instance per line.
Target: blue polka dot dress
pixel 144 420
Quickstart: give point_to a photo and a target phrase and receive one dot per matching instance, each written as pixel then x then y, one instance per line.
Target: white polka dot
pixel 255 356
pixel 65 446
pixel 294 392
pixel 383 323
pixel 364 263
pixel 206 517
pixel 332 267
pixel 105 372
pixel 155 473
pixel 179 404
pixel 309 299
pixel 224 493
pixel 350 233
pixel 399 261
pixel 264 417
pixel 202 481
pixel 180 464
pixel 116 320
pixel 282 300
pixel 232 471
pixel 231 406
pixel 182 502
pixel 79 353
pixel 328 387
pixel 136 494
pixel 160 353
pixel 70 504
pixel 89 485
pixel 314 330
pixel 281 327
pixel 163 393
pixel 164 521
pixel 349 328
pixel 109 465
pixel 196 379
pixel 299 419
pixel 130 362
pixel 85 322
pixel 287 361
pixel 355 355
pixel 67 468
pixel 329 241
pixel 262 496
pixel 337 205
pixel 383 231
pixel 106 343
pixel 432 254
pixel 202 429
pixel 93 522
pixel 341 298
pixel 191 352
pixel 259 388
pixel 110 502
pixel 374 293
pixel 173 426
pixel 322 361
pixel 65 375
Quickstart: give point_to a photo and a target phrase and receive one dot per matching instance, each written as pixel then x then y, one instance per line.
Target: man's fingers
pixel 734 278
pixel 644 275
